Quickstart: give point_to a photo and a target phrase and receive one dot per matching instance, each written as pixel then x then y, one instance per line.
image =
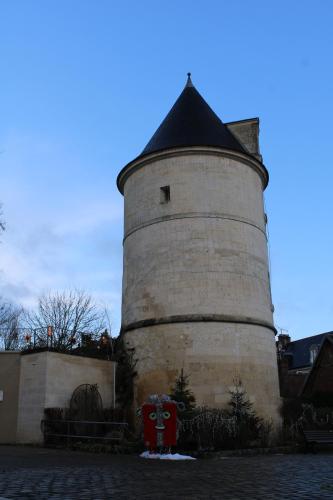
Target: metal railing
pixel 76 430
pixel 58 339
pixel 13 338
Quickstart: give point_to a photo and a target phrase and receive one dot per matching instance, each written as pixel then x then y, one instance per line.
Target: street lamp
pixel 106 339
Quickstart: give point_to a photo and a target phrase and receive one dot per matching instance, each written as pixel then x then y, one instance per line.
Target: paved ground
pixel 31 473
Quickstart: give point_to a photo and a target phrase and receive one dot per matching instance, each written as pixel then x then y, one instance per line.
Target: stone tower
pixel 196 285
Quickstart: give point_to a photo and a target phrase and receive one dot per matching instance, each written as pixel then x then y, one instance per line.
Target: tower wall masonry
pixel 196 287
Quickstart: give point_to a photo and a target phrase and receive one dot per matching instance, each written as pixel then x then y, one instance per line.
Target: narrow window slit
pixel 165 194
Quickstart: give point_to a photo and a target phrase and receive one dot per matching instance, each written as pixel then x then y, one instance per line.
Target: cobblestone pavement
pixel 34 473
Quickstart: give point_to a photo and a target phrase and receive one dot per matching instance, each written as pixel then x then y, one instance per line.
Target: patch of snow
pixel 166 456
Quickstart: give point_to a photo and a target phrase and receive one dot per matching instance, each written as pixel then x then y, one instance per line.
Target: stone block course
pixel 196 289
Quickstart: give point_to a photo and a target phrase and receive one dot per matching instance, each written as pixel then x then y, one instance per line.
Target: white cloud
pixel 90 216
pixel 63 230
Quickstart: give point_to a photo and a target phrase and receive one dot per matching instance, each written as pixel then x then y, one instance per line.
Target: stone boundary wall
pixel 45 380
pixel 9 387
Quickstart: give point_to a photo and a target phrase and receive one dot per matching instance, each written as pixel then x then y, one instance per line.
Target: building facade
pixel 196 286
pixel 306 368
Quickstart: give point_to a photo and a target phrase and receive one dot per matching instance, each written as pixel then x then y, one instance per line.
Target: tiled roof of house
pixel 299 350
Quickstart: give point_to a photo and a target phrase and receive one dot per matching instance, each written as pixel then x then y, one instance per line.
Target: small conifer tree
pixel 182 394
pixel 241 407
pixel 247 423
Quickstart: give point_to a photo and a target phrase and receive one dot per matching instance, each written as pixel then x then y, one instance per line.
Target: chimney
pixel 283 340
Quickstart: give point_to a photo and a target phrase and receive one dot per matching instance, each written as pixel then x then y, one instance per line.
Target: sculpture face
pixel 160 424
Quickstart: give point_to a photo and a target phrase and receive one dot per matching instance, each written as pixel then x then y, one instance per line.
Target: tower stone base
pixel 213 355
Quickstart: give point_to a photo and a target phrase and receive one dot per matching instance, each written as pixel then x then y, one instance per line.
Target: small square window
pixel 165 194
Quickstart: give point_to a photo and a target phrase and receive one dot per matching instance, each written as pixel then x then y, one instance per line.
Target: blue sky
pixel 84 84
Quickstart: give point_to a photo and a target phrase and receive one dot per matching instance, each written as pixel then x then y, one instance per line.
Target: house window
pixel 165 194
pixel 313 353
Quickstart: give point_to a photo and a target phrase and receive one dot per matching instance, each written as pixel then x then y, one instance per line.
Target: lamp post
pixel 107 340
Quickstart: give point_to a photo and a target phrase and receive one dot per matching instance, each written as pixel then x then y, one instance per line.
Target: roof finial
pixel 189 81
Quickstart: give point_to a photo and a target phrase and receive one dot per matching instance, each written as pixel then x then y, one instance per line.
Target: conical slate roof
pixel 191 122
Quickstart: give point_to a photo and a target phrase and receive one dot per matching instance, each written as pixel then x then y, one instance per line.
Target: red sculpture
pixel 160 422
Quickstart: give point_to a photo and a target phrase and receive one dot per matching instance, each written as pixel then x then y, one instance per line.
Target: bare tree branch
pixel 70 314
pixel 10 316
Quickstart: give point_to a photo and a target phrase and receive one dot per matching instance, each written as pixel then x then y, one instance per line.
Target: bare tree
pixel 10 332
pixel 68 315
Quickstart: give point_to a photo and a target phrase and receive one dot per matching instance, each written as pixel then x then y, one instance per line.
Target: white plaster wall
pixel 48 380
pixel 65 373
pixel 32 398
